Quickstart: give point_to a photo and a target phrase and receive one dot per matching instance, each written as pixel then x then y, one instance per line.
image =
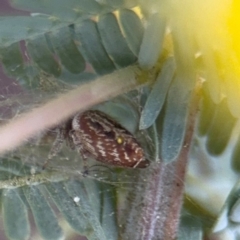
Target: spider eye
pixel 119 140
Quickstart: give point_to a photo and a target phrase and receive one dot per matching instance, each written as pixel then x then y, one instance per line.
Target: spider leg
pixel 70 140
pixel 84 155
pixel 57 146
pixel 77 143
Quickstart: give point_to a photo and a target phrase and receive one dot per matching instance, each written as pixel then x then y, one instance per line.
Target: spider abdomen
pixel 102 138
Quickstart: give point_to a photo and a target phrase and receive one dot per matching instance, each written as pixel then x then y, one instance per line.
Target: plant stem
pixel 27 125
pixel 157 202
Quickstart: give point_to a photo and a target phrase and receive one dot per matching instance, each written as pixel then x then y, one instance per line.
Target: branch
pixel 27 125
pixel 158 197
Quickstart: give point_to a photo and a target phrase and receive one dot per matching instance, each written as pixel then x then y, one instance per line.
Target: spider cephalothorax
pixel 94 134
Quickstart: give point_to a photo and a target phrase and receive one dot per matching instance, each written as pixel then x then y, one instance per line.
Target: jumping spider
pixel 94 134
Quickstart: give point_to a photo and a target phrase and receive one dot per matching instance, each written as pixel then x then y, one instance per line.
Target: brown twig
pixel 157 203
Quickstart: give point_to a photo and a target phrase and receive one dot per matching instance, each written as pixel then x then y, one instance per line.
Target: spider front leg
pixel 76 142
pixel 57 145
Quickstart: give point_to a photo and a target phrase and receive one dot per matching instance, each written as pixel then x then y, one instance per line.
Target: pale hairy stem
pixel 27 125
pixel 157 208
pixel 56 175
pixel 33 179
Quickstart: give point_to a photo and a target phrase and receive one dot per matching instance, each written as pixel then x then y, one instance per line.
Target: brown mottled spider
pixel 94 134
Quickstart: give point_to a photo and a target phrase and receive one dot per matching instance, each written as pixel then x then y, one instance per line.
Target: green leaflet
pixel 190 228
pixel 114 42
pixel 157 96
pixel 207 112
pixel 67 10
pixel 12 60
pixel 45 219
pixel 42 56
pixel 172 123
pixel 132 28
pixel 91 46
pixel 70 210
pixel 236 156
pixel 228 219
pixel 109 214
pixel 151 46
pixel 67 51
pixel 220 129
pixel 15 29
pixel 76 188
pixel 15 215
